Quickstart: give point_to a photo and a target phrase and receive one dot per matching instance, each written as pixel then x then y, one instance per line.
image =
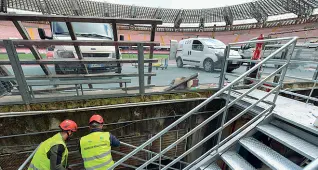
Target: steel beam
pixel 59 18
pixel 41 43
pixel 178 19
pixel 18 72
pixel 76 8
pixel 257 12
pixel 157 14
pixel 77 61
pixel 24 33
pixel 141 70
pixel 77 49
pixel 115 33
pixel 227 15
pixel 152 39
pixel 106 9
pixel 133 11
pixel 3 8
pixel 299 7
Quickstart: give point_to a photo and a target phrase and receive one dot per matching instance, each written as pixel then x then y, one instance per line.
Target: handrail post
pixel 288 54
pixel 224 117
pixel 18 72
pixel 29 158
pixel 224 64
pixel 152 38
pixel 141 70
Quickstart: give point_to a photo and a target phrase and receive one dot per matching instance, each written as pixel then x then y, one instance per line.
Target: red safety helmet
pixel 68 125
pixel 96 118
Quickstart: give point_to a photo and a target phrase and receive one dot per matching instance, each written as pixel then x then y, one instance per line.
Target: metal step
pixel 295 143
pixel 271 158
pixel 235 161
pixel 212 166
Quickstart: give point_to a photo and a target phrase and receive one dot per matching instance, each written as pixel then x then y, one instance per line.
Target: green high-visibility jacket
pixel 40 159
pixel 96 151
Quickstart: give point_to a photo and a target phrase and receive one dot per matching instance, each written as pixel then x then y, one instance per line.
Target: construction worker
pixel 52 154
pixel 95 147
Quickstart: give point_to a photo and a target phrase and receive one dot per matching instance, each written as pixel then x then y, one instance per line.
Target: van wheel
pixel 179 63
pixel 208 65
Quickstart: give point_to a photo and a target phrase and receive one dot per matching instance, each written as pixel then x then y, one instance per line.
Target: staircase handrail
pixel 214 96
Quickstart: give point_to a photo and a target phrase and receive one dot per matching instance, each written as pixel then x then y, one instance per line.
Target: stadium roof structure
pixel 259 10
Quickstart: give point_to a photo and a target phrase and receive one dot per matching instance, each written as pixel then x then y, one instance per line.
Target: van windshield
pixel 214 43
pixel 95 30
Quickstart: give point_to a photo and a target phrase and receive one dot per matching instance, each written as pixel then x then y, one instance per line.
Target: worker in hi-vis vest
pixel 52 154
pixel 95 147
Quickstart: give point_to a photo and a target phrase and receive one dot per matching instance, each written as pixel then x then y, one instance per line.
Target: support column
pixel 115 33
pixel 25 35
pixel 77 49
pixel 152 38
pixel 18 72
pixel 141 70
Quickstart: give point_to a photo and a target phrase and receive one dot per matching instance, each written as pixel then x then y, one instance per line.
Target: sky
pixel 180 4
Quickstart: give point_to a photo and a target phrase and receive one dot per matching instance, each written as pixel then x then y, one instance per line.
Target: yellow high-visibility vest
pixel 96 151
pixel 40 160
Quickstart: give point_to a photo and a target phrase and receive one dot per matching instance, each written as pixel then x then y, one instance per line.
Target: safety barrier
pixel 72 70
pixel 228 89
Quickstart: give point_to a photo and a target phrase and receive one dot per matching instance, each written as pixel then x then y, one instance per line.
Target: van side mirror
pixel 42 34
pixel 121 37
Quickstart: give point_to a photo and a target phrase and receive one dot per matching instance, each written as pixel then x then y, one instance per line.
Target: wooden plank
pixel 77 61
pixel 70 82
pixel 46 43
pixel 91 19
pixel 183 81
pixel 76 76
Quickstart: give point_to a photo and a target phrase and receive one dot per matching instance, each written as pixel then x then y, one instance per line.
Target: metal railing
pixel 28 160
pixel 287 48
pixel 25 90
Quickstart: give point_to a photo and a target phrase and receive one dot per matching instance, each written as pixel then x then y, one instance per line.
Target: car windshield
pixel 214 43
pixel 97 30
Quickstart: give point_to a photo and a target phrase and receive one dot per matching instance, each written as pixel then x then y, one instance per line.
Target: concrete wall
pixel 131 124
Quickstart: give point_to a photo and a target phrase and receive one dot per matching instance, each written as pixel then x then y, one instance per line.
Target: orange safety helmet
pixel 68 125
pixel 96 118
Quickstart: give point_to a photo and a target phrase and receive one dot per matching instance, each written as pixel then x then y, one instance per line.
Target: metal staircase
pixel 243 135
pixel 298 141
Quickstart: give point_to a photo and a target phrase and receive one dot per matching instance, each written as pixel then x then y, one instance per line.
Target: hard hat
pixel 68 125
pixel 96 118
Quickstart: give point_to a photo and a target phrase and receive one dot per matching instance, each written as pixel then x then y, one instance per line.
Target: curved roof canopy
pixel 259 10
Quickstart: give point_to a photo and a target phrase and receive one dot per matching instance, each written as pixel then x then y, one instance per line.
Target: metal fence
pixel 79 84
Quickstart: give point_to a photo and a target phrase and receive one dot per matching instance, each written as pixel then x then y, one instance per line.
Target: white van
pixel 206 53
pixel 83 31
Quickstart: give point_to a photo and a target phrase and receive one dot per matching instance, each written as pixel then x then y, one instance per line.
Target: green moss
pixel 102 102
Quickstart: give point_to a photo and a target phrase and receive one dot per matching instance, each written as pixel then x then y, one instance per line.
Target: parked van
pixel 83 31
pixel 206 53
